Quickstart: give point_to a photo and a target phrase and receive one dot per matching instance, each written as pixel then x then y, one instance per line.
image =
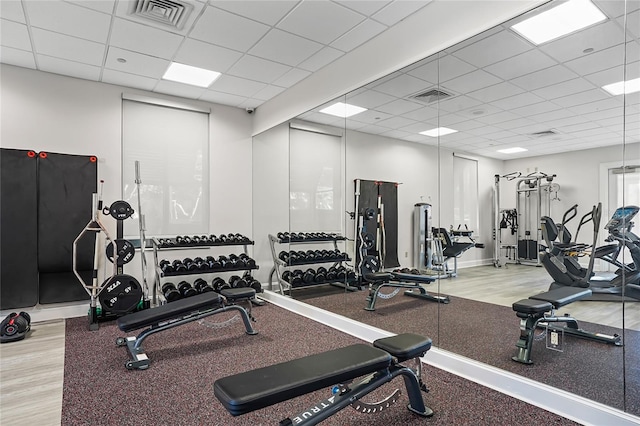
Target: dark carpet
pixel 178 387
pixel 488 333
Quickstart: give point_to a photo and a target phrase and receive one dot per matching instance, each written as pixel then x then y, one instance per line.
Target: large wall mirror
pixel 500 135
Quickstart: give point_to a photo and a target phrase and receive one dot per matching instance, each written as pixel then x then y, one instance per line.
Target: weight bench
pixel 256 389
pixel 447 249
pixel 379 280
pixel 533 312
pixel 177 313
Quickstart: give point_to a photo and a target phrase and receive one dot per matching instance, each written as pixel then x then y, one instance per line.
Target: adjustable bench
pixel 533 311
pixel 256 389
pixel 175 314
pixel 379 280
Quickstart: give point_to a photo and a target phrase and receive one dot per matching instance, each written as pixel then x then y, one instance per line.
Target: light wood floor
pixel 31 371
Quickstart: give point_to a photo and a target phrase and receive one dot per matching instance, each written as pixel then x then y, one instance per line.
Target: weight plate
pixel 126 251
pixel 120 294
pixel 120 210
pixel 368 241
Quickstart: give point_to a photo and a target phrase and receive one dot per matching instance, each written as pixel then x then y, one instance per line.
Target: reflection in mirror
pixel 451 131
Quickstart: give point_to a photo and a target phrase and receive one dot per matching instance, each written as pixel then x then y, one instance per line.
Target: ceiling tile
pixel 373 129
pixel 518 101
pixel 582 98
pixel 495 92
pixel 179 89
pixel 565 88
pixel 469 125
pixel 13 34
pixel 366 8
pixel 369 99
pixel 250 103
pixel 222 28
pixel 291 77
pixel 520 65
pixel 104 6
pixel 469 82
pixel 370 116
pixel 458 103
pixel 451 119
pixel 398 10
pixel 318 117
pixel 358 35
pixel 492 49
pixel 12 11
pixel 266 11
pixel 258 69
pixel 68 68
pixel 140 38
pixel 236 86
pixel 446 68
pixel 128 80
pixel 598 61
pixel 545 77
pixel 268 92
pixel 395 122
pixel 546 117
pixel 17 57
pixel 67 47
pixel 321 21
pixel 397 134
pixel 417 127
pixel 297 48
pixel 398 107
pixel 597 37
pixel 633 20
pixel 69 19
pixel 137 63
pixel 528 110
pixel 598 106
pixel 204 55
pixel 222 98
pixel 324 57
pixel 403 85
pixel 421 114
pixel 498 119
pixel 608 76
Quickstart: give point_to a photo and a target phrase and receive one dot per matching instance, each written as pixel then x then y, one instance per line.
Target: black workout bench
pixel 533 311
pixel 379 280
pixel 256 389
pixel 178 313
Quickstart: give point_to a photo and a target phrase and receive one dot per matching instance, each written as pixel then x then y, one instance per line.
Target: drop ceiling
pixel 504 90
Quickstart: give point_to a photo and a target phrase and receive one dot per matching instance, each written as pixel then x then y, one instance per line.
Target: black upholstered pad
pixel 168 311
pixel 252 390
pixel 456 249
pixel 377 276
pixel 562 295
pixel 238 293
pixel 404 346
pixel 412 278
pixel 531 306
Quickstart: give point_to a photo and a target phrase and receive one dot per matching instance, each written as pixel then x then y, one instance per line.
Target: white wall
pixel 49 112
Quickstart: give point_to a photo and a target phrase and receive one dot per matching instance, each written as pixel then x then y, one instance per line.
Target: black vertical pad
pixel 65 187
pixel 368 199
pixel 389 193
pixel 18 229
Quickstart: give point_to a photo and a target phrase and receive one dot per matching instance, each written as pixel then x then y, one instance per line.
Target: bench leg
pixel 525 342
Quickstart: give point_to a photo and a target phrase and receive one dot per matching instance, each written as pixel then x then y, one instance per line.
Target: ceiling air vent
pixel 168 13
pixel 430 96
pixel 543 134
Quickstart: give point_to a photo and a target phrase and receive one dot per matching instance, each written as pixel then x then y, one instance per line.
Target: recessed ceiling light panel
pixel 626 87
pixel 511 150
pixel 190 75
pixel 342 110
pixel 438 131
pixel 561 20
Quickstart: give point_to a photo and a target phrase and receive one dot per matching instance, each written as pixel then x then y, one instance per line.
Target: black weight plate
pixel 120 210
pixel 126 251
pixel 120 294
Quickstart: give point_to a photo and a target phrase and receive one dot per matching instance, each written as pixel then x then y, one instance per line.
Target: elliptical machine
pixel 560 258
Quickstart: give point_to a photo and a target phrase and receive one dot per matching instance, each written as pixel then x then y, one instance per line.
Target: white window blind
pixel 172 146
pixel 465 193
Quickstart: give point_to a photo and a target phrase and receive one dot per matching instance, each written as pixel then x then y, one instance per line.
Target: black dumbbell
pixel 342 273
pixel 321 274
pixel 222 239
pixel 219 284
pixel 237 282
pixel 248 262
pixel 223 260
pixel 213 263
pixel 296 277
pixel 189 264
pixel 332 274
pixel 309 276
pixel 351 275
pixel 166 266
pixel 254 284
pixel 202 286
pixel 195 239
pixel 178 266
pixel 212 239
pixel 310 255
pixel 186 289
pixel 284 256
pixel 170 292
pixel 286 275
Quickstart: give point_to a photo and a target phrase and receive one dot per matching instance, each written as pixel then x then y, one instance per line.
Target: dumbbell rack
pixel 279 266
pixel 160 245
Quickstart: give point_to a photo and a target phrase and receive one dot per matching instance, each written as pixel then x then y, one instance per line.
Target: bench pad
pixel 563 295
pixel 238 293
pixel 531 306
pixel 412 278
pixel 252 390
pixel 169 311
pixel 404 346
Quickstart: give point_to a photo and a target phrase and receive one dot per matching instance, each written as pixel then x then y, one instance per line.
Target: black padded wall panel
pixel 18 229
pixel 65 187
pixel 388 191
